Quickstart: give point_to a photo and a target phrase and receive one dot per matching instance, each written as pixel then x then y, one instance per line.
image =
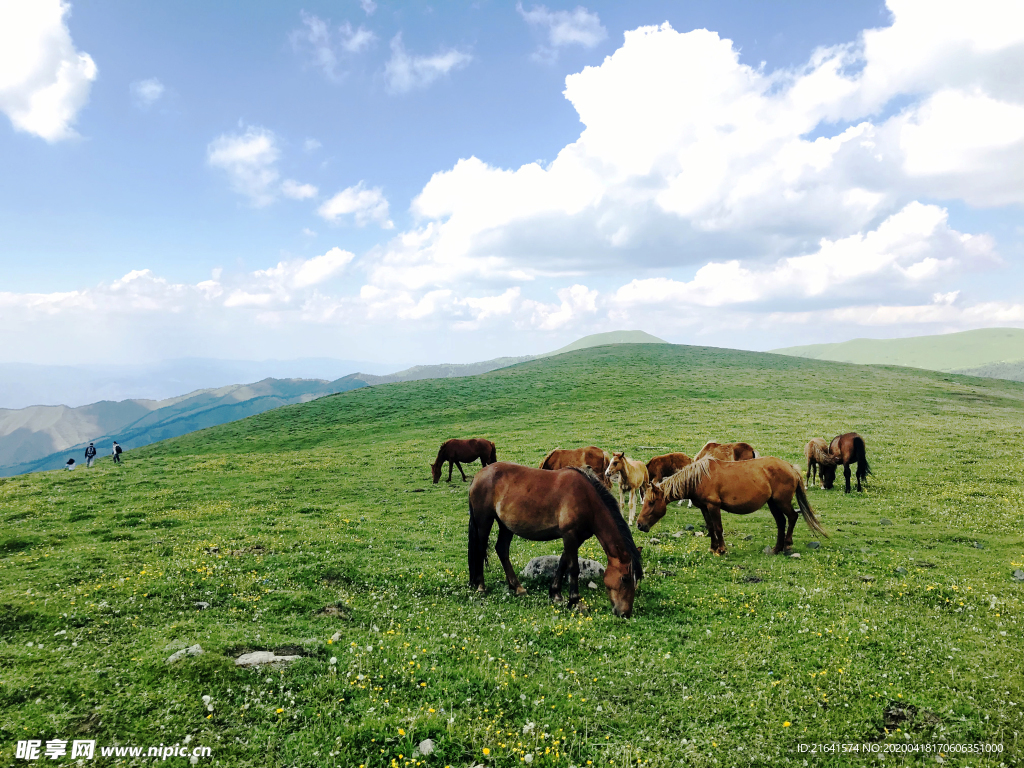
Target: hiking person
pixel 70 464
pixel 90 455
pixel 116 453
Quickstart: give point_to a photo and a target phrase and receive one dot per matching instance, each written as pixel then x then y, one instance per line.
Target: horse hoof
pixel 556 598
pixel 480 590
pixel 520 591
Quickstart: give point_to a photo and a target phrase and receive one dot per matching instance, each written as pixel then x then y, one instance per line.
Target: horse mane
pixel 685 481
pixel 613 509
pixel 823 456
pixel 544 461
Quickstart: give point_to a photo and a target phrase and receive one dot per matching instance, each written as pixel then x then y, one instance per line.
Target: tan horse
pixel 817 455
pixel 571 505
pixel 727 451
pixel 633 479
pixel 661 467
pixel 591 456
pixel 740 487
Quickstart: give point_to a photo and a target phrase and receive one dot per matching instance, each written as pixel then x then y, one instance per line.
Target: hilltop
pixel 313 530
pixel 997 352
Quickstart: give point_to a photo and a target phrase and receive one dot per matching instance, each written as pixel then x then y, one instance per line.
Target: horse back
pixel 661 467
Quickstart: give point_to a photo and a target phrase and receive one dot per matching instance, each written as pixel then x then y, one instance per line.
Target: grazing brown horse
pixel 661 467
pixel 846 449
pixel 455 451
pixel 570 504
pixel 818 457
pixel 727 451
pixel 591 456
pixel 633 479
pixel 740 487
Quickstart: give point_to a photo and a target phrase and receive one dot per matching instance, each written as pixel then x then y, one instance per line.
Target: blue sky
pixel 352 180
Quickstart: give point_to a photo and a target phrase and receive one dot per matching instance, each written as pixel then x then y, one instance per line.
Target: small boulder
pixel 979 545
pixel 591 585
pixel 795 555
pixel 768 551
pixel 202 605
pixel 901 571
pixel 1018 575
pixel 689 527
pixel 698 534
pixel 654 541
pixel 748 537
pixel 192 650
pixel 545 567
pixel 885 521
pixel 425 748
pixel 867 578
pixel 814 545
pixel 677 535
pixel 263 658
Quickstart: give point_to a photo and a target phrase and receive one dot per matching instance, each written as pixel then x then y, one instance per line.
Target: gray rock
pixel 1018 575
pixel 901 571
pixel 677 535
pixel 698 534
pixel 544 567
pixel 262 658
pixel 795 555
pixel 748 537
pixel 201 605
pixel 768 551
pixel 425 748
pixel 814 545
pixel 591 585
pixel 336 636
pixel 867 578
pixel 655 541
pixel 192 650
pixel 885 521
pixel 979 545
pixel 689 527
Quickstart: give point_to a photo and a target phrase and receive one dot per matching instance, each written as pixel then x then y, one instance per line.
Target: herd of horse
pixel 569 498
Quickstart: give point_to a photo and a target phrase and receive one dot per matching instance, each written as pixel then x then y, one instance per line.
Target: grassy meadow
pixel 319 521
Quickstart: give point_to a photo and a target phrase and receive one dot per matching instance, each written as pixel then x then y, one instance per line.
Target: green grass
pixel 274 518
pixel 946 352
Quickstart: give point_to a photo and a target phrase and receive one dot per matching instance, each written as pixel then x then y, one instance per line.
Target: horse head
pixel 654 508
pixel 620 581
pixel 616 465
pixel 435 471
pixel 827 472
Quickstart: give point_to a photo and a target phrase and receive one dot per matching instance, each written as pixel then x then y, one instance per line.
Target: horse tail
pixel 756 454
pixel 544 462
pixel 860 452
pixel 805 508
pixel 477 553
pixel 493 458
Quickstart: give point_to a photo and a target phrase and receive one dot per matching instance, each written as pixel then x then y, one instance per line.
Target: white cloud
pixel 145 93
pixel 562 28
pixel 306 272
pixel 365 205
pixel 404 72
pixel 44 81
pixel 322 45
pixel 575 301
pixel 311 145
pixel 249 159
pixel 297 191
pixel 368 6
pixel 355 40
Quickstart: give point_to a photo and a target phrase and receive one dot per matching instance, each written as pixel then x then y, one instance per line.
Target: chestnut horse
pixel 455 451
pixel 818 457
pixel 727 451
pixel 661 467
pixel 846 449
pixel 633 479
pixel 591 456
pixel 571 504
pixel 740 487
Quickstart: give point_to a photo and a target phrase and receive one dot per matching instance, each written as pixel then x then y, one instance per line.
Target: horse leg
pixel 714 518
pixel 460 471
pixel 572 548
pixel 501 547
pixel 632 506
pixel 555 593
pixel 780 522
pixel 451 466
pixel 846 474
pixel 478 550
pixel 859 489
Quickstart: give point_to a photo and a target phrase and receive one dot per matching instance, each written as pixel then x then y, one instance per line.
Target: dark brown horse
pixel 569 504
pixel 591 456
pixel 455 451
pixel 727 451
pixel 661 467
pixel 846 449
pixel 740 487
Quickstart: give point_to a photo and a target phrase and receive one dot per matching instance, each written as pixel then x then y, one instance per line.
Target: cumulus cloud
pixel 146 93
pixel 364 205
pixel 404 72
pixel 562 28
pixel 323 46
pixel 297 191
pixel 44 80
pixel 249 159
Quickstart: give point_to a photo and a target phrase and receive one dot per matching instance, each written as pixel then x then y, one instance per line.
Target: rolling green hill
pixel 602 339
pixel 967 352
pixel 314 530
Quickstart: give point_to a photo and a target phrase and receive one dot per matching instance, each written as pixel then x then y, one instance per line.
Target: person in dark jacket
pixel 90 455
pixel 116 453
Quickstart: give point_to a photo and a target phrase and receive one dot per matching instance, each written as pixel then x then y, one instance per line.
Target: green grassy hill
pixel 603 339
pixel 963 351
pixel 314 529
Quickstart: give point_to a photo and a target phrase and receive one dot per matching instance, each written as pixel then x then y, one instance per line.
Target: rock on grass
pixel 544 567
